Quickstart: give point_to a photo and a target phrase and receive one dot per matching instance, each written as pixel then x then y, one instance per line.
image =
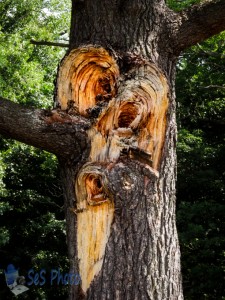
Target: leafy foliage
pixel 32 225
pixel 32 214
pixel 27 71
pixel 178 5
pixel 201 168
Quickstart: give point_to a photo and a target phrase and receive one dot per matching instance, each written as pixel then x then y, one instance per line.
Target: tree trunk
pixel 113 130
pixel 121 229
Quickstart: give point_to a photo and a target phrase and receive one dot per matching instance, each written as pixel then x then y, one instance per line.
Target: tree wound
pixel 95 190
pixel 86 77
pixel 131 121
pixel 127 115
pixel 136 117
pixel 95 213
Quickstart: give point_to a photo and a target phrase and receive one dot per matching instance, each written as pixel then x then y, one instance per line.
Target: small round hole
pixel 94 188
pixel 127 115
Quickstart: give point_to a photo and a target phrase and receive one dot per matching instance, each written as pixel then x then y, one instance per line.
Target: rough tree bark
pixel 113 130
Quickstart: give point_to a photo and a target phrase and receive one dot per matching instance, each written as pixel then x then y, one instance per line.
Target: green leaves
pixel 201 82
pixel 32 221
pixel 27 71
pixel 32 225
pixel 178 5
pixel 201 168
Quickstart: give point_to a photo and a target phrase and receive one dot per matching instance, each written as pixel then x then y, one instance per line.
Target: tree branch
pixel 213 86
pixel 45 43
pixel 210 53
pixel 200 22
pixel 54 131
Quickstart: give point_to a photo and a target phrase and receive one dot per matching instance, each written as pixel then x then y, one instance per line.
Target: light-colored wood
pixel 93 228
pixel 132 119
pixel 135 118
pixel 86 75
pixel 94 218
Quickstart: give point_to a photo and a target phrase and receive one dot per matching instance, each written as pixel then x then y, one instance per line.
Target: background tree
pixel 159 58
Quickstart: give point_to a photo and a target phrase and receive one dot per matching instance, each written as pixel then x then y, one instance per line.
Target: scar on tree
pixel 128 116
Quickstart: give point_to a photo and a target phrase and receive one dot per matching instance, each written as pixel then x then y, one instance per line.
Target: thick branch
pixel 53 131
pixel 200 22
pixel 45 43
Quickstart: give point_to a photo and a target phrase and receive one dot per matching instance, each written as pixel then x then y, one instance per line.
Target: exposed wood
pixel 140 261
pixel 130 123
pixel 91 186
pixel 86 76
pixel 135 118
pixel 135 26
pixel 95 212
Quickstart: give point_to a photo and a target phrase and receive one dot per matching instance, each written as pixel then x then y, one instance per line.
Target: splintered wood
pixel 94 218
pixel 135 118
pixel 131 119
pixel 86 76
